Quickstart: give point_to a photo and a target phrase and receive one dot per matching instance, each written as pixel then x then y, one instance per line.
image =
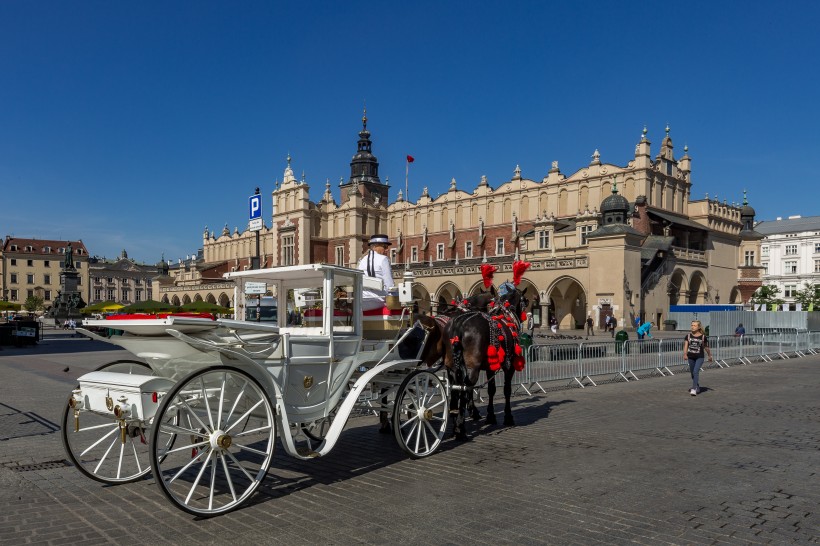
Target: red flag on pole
pixel 410 159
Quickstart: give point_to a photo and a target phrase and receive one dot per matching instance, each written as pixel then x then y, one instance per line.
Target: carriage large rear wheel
pixel 420 413
pixel 224 429
pixel 94 442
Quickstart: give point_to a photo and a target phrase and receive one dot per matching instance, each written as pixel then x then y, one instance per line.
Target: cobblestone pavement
pixel 640 462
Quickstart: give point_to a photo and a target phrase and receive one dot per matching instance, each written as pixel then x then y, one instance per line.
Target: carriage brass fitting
pixel 76 420
pixel 121 411
pixel 123 430
pixel 224 441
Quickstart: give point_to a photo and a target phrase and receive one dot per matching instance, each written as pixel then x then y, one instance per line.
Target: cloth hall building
pixel 625 240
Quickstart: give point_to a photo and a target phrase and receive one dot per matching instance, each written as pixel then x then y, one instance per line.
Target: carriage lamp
pixel 123 409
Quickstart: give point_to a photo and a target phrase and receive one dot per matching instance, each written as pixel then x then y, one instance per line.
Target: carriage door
pixel 602 313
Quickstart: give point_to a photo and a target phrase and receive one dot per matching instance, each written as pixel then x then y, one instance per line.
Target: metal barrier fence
pixel 579 363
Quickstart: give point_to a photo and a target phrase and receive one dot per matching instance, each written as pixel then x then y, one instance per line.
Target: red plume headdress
pixel 519 267
pixel 487 271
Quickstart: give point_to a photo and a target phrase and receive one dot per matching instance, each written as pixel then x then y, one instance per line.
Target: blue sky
pixel 133 125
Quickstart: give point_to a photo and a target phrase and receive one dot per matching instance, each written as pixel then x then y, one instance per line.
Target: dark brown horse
pixel 489 342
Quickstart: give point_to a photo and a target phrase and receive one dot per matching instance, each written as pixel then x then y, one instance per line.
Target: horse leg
pixel 508 418
pixel 459 432
pixel 490 410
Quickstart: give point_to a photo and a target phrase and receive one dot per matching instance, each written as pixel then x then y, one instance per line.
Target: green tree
pixel 809 296
pixel 33 303
pixel 767 295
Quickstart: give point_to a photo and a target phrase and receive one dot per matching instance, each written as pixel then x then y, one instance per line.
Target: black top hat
pixel 379 239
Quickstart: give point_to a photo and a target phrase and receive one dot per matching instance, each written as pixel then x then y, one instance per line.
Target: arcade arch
pixel 566 301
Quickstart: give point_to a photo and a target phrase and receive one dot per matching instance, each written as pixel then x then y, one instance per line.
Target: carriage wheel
pixel 97 450
pixel 224 426
pixel 420 413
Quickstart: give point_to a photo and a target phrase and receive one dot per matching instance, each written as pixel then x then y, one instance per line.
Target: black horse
pixel 486 341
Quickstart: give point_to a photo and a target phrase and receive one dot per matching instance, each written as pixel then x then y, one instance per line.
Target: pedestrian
pixel 637 322
pixel 613 322
pixel 740 330
pixel 589 326
pixel 695 344
pixel 606 323
pixel 643 330
pixel 554 324
pixel 530 324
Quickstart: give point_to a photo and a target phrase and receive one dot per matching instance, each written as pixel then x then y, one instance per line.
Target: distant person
pixel 643 330
pixel 695 344
pixel 530 324
pixel 613 323
pixel 637 322
pixel 740 330
pixel 590 324
pixel 607 319
pixel 554 324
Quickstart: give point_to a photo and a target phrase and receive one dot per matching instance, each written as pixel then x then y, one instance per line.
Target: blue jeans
pixel 694 370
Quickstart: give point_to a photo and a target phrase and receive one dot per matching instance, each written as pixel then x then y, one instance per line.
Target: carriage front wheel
pixel 222 422
pixel 93 442
pixel 420 413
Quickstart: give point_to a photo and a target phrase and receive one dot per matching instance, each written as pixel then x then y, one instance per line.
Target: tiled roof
pixel 39 245
pixel 788 225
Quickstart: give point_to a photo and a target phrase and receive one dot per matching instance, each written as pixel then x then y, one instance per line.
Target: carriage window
pixel 499 247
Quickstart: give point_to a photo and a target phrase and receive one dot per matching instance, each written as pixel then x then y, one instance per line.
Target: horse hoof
pixel 462 437
pixel 476 416
pixel 508 422
pixel 491 420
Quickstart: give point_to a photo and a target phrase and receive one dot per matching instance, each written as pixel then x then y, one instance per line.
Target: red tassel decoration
pixel 519 363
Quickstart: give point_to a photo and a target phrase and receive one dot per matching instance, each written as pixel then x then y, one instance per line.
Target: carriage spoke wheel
pixel 223 424
pixel 420 413
pixel 97 449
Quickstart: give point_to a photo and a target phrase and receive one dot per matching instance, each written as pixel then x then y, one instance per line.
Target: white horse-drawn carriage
pixel 202 408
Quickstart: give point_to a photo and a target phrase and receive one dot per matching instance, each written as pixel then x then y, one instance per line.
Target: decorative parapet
pixel 689 254
pixel 451 268
pixel 198 287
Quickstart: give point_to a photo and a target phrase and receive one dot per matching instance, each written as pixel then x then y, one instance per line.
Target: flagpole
pixel 406 177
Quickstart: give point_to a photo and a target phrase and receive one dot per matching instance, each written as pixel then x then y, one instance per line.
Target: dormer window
pixel 29 248
pixel 13 248
pixel 46 250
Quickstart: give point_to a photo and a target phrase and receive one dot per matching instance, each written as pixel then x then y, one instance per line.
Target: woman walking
pixel 694 345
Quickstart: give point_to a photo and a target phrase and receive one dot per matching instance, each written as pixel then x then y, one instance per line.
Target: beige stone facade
pixel 31 267
pixel 669 249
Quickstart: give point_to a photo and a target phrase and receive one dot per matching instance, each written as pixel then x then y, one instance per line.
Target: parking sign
pixel 255 205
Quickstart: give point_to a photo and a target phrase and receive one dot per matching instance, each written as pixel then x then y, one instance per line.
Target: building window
pixel 30 293
pixel 393 255
pixel 764 251
pixel 46 263
pixel 414 254
pixel 14 295
pixel 30 263
pixel 14 278
pixel 790 290
pixel 13 261
pixel 287 250
pixel 138 297
pixel 30 278
pixel 124 294
pixel 440 251
pixel 47 279
pixel 47 295
pixel 765 266
pixel 544 239
pixel 791 250
pixel 817 266
pixel 97 294
pixel 468 249
pixel 749 257
pixel 340 255
pixel 585 230
pixel 499 247
pixel 110 294
pixel 790 268
pixel 817 248
pixel 138 282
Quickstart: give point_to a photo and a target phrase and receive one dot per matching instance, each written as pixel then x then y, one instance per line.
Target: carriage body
pixel 214 393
